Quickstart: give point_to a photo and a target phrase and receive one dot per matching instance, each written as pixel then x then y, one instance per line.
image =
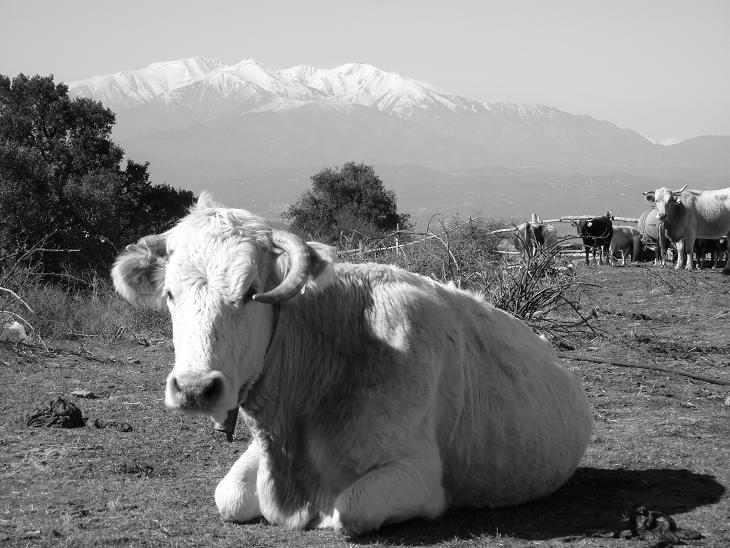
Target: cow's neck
pixel 283 407
pixel 677 216
pixel 299 362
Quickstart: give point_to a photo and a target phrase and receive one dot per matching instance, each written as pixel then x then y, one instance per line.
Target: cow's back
pixel 707 213
pixel 514 423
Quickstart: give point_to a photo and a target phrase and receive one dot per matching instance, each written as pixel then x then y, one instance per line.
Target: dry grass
pixel 89 308
pixel 659 439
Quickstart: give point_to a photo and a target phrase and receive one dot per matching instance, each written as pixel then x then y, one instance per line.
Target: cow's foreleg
pixel 718 258
pixel 714 257
pixel 726 268
pixel 689 246
pixel 402 490
pixel 602 252
pixel 681 255
pixel 236 496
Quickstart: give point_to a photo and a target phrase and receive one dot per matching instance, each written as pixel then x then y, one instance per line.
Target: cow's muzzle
pixel 198 391
pixel 662 216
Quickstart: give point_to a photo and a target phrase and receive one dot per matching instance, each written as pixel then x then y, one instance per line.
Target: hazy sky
pixel 660 67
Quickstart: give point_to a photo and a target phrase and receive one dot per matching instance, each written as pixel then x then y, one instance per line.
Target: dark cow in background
pixel 692 214
pixel 529 238
pixel 596 234
pixel 714 246
pixel 626 240
pixel 652 233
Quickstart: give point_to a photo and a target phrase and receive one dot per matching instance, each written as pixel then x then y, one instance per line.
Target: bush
pixel 73 307
pixel 349 204
pixel 542 290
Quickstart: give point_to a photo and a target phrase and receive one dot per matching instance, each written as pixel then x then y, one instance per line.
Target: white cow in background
pixel 374 395
pixel 691 214
pixel 530 238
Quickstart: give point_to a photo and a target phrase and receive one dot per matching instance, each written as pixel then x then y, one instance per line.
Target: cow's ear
pixel 321 257
pixel 649 196
pixel 138 276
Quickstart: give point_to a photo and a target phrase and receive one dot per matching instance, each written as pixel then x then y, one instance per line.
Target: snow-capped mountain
pixel 177 95
pixel 204 124
pixel 129 89
pixel 194 81
pixel 391 93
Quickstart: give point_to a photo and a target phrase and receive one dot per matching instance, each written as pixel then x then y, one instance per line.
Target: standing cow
pixel 653 233
pixel 691 214
pixel 530 238
pixel 626 240
pixel 374 395
pixel 596 234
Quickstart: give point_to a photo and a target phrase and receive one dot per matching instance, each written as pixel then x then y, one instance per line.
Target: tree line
pixel 64 186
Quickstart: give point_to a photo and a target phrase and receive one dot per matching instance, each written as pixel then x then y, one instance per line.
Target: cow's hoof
pixel 350 527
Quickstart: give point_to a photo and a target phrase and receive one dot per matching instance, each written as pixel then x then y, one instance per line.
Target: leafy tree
pixel 61 178
pixel 349 203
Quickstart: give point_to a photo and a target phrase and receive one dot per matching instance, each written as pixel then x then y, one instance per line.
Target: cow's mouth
pixel 228 425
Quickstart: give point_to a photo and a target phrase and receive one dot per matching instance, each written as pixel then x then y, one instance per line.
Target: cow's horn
pixel 156 244
pixel 296 277
pixel 680 190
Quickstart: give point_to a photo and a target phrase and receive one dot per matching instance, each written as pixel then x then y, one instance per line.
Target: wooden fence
pixel 534 218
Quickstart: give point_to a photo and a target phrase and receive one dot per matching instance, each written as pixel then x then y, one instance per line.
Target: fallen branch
pixel 55 352
pixel 641 366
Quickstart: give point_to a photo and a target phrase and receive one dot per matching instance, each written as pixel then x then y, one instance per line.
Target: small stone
pixel 88 394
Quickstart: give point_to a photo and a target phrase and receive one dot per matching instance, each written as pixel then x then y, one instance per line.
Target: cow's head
pixel 523 238
pixel 221 273
pixel 664 200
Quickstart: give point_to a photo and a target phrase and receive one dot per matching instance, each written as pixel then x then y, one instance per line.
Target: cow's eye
pixel 169 296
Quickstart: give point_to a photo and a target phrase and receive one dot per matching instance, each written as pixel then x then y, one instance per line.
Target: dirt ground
pixel 138 474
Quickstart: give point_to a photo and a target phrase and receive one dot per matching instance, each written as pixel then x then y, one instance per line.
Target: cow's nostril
pixel 195 391
pixel 212 391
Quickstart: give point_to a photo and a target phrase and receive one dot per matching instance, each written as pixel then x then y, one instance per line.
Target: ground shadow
pixel 595 502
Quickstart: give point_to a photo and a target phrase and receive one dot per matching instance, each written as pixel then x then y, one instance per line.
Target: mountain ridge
pixel 204 124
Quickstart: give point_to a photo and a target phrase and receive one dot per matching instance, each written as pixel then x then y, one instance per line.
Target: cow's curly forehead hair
pixel 226 223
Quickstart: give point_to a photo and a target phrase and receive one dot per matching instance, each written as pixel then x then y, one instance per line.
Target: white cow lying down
pixel 374 395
